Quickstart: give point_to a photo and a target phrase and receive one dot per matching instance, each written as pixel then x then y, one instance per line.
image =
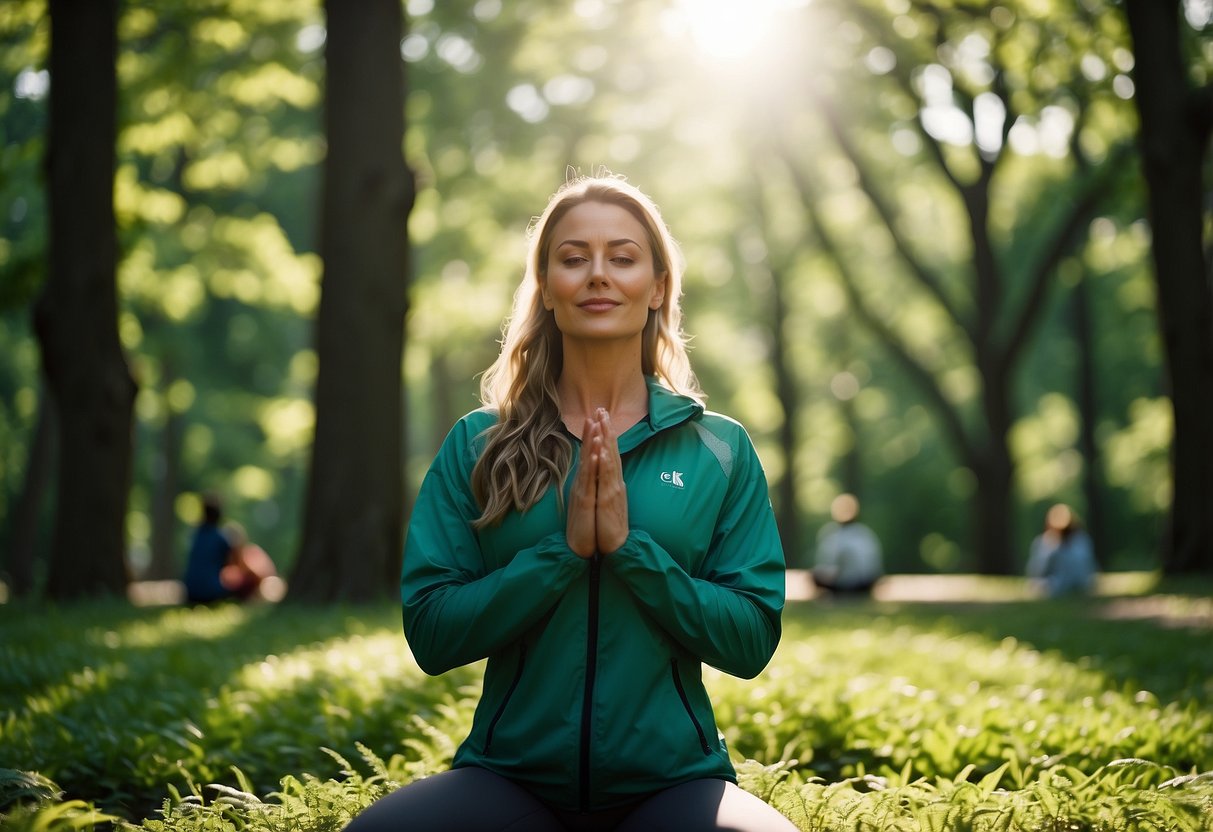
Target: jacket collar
pixel 666 409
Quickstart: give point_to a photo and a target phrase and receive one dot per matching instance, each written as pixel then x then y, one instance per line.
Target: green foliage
pixel 220 139
pixel 1059 799
pixel 258 689
pixel 30 802
pixel 62 817
pixel 1007 716
pixel 25 786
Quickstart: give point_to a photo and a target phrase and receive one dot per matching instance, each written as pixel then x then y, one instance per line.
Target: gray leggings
pixel 476 800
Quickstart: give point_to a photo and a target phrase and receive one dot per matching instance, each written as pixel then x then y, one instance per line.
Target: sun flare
pixel 730 30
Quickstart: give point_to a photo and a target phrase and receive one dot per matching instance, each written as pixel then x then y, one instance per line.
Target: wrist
pixel 608 547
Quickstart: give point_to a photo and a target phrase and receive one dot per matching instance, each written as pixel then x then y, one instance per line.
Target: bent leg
pixel 705 806
pixel 459 800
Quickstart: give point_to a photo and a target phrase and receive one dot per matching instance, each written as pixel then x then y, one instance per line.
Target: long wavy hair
pixel 527 450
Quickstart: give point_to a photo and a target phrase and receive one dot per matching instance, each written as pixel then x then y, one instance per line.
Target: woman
pixel 596 534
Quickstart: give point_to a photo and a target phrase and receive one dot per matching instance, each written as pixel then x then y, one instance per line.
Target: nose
pixel 598 268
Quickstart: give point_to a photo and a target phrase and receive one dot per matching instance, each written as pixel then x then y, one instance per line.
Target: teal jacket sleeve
pixel 456 610
pixel 728 616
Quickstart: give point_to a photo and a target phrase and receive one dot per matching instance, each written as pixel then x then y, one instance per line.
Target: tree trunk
pixel 1175 125
pixel 23 548
pixel 1088 409
pixel 994 473
pixel 787 512
pixel 76 315
pixel 850 474
pixel 355 500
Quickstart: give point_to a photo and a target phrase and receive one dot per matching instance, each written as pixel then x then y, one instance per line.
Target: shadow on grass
pixel 1140 631
pixel 115 703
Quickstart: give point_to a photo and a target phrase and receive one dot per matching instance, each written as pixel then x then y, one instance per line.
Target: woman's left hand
pixel 583 499
pixel 611 518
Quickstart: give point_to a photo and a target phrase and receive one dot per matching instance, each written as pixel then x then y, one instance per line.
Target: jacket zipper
pixel 686 703
pixel 509 694
pixel 591 664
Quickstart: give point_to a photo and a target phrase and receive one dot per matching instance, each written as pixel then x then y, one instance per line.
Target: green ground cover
pixel 1016 715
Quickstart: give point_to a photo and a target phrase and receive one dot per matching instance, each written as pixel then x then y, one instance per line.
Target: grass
pixel 1003 714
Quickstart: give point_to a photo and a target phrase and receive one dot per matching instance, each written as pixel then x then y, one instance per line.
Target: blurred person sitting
pixel 249 573
pixel 849 558
pixel 223 564
pixel 1061 560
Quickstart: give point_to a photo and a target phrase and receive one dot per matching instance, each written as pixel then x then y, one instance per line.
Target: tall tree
pixel 1086 395
pixel 76 315
pixel 992 312
pixel 353 522
pixel 787 510
pixel 1176 120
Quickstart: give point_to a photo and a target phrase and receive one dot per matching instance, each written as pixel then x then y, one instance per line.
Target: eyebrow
pixel 611 243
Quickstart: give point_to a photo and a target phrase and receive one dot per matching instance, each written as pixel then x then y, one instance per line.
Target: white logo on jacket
pixel 673 478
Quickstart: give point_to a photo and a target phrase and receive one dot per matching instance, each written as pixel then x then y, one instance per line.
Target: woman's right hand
pixel 581 531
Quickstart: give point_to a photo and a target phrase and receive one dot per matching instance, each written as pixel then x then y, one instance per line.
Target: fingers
pixel 611 514
pixel 609 463
pixel 581 526
pixel 598 507
pixel 587 470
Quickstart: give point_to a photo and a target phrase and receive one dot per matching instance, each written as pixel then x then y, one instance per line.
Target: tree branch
pixel 1090 193
pixel 885 211
pixel 877 28
pixel 948 415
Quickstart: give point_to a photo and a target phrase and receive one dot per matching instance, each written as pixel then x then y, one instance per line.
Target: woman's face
pixel 600 279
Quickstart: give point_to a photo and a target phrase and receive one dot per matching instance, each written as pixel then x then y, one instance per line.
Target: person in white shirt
pixel 849 557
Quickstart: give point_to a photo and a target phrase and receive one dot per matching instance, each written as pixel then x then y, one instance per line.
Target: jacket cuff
pixel 554 549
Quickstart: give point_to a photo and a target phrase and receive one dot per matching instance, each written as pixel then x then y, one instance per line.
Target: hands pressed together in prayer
pixel 598 503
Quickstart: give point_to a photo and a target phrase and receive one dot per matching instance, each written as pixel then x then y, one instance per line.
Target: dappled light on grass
pixel 118 703
pixel 866 693
pixel 370 658
pixel 1013 715
pixel 175 626
pixel 1166 610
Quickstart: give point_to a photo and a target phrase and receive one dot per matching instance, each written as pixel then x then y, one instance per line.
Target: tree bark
pixel 1173 139
pixel 994 472
pixel 23 548
pixel 76 315
pixel 355 502
pixel 1088 409
pixel 995 468
pixel 787 512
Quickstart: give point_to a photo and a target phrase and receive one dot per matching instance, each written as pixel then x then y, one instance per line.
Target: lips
pixel 598 305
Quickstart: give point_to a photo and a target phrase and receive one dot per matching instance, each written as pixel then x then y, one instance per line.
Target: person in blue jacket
pixel 209 551
pixel 597 535
pixel 223 564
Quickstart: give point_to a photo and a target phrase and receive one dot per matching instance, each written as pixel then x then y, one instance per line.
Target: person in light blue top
pixel 1062 560
pixel 849 558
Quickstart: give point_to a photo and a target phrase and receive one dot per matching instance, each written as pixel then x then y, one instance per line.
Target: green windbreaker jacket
pixel 592 693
